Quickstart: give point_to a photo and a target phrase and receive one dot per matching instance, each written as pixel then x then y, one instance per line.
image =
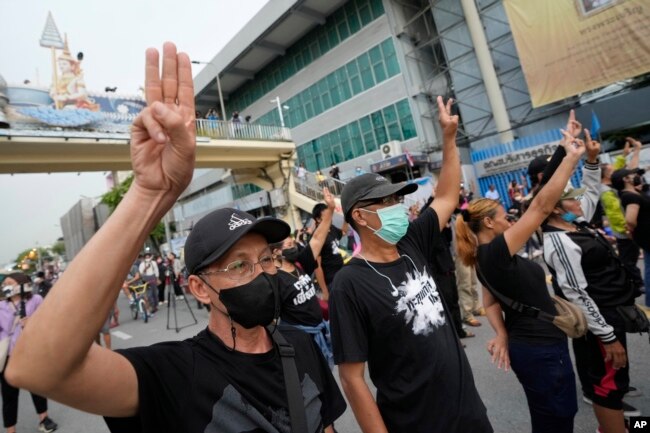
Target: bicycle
pixel 139 303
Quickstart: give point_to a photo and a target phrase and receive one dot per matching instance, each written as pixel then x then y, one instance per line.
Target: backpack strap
pixel 520 307
pixel 291 382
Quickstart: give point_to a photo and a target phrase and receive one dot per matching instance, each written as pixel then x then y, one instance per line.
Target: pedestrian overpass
pixel 257 154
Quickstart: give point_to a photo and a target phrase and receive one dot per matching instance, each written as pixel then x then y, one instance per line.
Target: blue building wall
pixel 501 180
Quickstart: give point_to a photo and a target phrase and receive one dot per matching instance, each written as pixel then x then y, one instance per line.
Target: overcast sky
pixel 113 37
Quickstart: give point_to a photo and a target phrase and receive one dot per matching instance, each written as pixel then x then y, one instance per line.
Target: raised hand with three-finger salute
pixel 574 147
pixel 448 122
pixel 162 151
pixel 592 148
pixel 163 138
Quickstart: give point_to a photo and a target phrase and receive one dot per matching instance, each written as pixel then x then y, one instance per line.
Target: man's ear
pixel 358 221
pixel 199 289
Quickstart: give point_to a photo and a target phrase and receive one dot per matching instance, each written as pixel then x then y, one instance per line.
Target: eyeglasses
pixel 241 269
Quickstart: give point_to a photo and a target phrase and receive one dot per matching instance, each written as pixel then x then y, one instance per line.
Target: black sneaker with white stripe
pixel 47 425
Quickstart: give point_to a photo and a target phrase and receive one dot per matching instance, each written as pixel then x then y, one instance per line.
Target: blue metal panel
pixel 501 180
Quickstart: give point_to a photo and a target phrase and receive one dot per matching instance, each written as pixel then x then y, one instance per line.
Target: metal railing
pixel 225 130
pixel 312 185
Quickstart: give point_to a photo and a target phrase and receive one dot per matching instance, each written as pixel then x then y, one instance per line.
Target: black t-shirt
pixel 331 260
pixel 443 261
pixel 521 280
pixel 641 233
pixel 401 328
pixel 300 304
pixel 199 385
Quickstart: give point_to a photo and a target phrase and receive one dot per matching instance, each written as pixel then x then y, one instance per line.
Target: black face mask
pixel 291 254
pixel 637 180
pixel 252 304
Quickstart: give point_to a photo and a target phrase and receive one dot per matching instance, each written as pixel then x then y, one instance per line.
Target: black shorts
pixel 600 382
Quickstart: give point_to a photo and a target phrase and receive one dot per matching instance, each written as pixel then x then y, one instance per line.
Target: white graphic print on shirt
pixel 305 288
pixel 420 301
pixel 335 247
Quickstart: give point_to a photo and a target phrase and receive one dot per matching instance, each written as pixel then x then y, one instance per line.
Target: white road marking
pixel 121 335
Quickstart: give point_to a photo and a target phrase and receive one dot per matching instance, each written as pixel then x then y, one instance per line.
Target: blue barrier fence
pixel 501 180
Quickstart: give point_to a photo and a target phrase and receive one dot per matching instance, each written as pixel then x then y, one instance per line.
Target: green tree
pixel 58 248
pixel 113 198
pixel 27 261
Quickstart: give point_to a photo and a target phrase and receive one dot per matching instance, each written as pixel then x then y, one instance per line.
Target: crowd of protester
pixel 285 309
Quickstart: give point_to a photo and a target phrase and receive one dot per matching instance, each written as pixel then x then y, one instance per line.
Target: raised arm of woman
pixel 545 201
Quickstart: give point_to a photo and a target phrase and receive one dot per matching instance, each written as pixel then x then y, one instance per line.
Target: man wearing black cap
pixel 229 377
pixel 386 310
pixel 536 169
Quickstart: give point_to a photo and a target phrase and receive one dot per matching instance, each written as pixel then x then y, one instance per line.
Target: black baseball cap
pixel 370 186
pixel 618 175
pixel 537 166
pixel 216 232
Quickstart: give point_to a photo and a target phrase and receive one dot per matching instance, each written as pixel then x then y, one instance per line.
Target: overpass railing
pixel 312 185
pixel 225 130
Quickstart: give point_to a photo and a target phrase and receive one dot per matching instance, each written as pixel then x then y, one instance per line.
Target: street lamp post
pixel 223 107
pixel 276 100
pixel 281 107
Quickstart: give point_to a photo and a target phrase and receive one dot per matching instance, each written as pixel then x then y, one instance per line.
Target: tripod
pixel 171 304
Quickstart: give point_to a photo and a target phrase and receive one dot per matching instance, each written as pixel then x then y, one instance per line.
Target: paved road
pixel 500 391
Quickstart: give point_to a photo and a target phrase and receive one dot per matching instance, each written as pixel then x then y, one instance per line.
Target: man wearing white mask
pixel 386 310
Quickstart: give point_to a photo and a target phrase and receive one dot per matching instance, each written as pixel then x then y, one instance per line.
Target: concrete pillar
pixel 482 50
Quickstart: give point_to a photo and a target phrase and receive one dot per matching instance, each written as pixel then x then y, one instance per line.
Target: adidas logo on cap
pixel 236 221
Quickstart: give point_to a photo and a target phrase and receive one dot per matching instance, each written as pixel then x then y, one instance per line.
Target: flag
pixel 409 158
pixel 595 125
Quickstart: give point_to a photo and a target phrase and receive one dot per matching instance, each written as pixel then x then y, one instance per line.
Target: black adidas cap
pixel 216 232
pixel 371 186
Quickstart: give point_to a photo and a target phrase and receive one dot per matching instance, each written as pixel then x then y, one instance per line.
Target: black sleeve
pixel 494 257
pixel 307 261
pixel 347 324
pixel 553 164
pixel 164 373
pixel 631 198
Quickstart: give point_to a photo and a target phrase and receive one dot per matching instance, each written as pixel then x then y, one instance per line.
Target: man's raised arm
pixel 55 355
pixel 448 187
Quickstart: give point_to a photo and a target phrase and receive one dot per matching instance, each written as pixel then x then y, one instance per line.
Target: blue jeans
pixel 547 376
pixel 646 276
